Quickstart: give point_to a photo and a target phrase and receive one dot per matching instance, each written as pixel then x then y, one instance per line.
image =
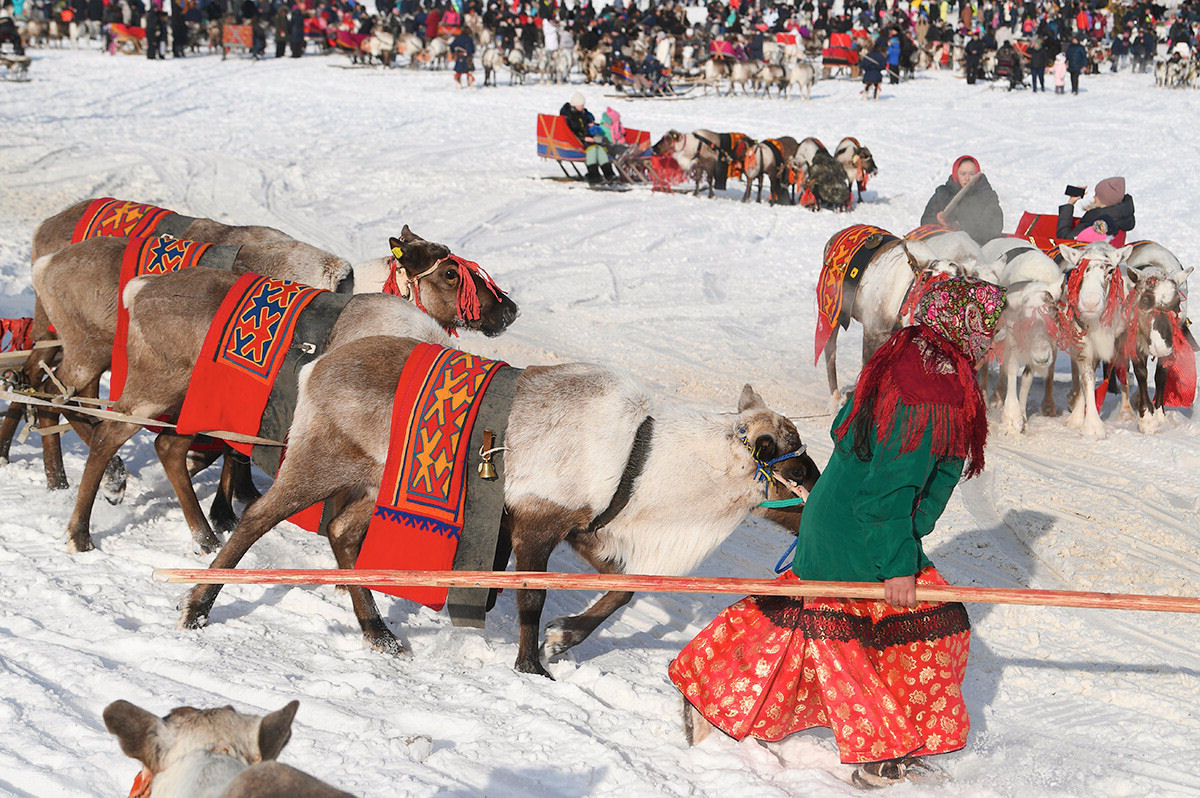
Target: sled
pixel 239 36
pixel 840 53
pixel 16 67
pixel 1041 229
pixel 129 39
pixel 555 141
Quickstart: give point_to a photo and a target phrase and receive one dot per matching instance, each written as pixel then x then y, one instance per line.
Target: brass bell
pixel 486 469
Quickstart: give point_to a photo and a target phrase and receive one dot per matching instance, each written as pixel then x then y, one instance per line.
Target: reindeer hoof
pixel 206 544
pixel 532 666
pixel 559 638
pixel 77 544
pixel 112 487
pixel 57 481
pixel 190 621
pixel 386 644
pixel 1050 411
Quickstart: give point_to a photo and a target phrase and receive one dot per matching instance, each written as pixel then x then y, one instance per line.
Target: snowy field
pixel 694 296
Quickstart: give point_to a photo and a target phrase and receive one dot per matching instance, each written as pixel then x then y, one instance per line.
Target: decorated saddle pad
pixel 926 231
pixel 143 256
pixel 846 256
pixel 118 218
pixel 419 514
pixel 242 354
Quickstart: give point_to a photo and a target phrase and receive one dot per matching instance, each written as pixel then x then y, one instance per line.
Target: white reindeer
pixel 803 75
pixel 574 433
pixel 1093 313
pixel 1026 335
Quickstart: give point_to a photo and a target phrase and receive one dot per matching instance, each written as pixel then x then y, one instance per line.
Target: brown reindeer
pixel 576 436
pixel 165 342
pixel 55 234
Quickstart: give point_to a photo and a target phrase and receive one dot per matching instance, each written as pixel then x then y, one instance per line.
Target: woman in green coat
pixel 885 676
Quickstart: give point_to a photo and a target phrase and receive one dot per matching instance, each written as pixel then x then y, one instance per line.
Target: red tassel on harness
pixel 1179 388
pixel 390 286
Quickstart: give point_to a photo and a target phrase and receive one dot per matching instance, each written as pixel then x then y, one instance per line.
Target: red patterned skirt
pixel 887 681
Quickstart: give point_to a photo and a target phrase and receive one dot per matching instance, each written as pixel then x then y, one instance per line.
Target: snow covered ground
pixel 694 296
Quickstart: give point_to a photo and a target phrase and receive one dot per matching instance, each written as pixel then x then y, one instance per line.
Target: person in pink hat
pixel 1110 212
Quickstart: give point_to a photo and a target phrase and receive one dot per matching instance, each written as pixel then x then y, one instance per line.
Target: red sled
pixel 1041 229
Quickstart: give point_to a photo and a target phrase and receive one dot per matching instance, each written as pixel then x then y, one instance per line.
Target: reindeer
pixel 491 61
pixel 161 358
pixel 741 73
pixel 517 65
pixel 803 75
pixel 664 524
pixel 823 179
pixel 55 234
pixel 1158 325
pixel 857 161
pixel 770 158
pixel 1028 335
pixel 892 280
pixel 212 753
pixel 696 153
pixel 716 70
pixel 1091 321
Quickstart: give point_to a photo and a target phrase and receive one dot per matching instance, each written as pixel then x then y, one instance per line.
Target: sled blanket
pixel 156 255
pixel 242 354
pixel 846 256
pixel 419 514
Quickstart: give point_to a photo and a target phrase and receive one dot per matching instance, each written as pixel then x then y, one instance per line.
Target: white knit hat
pixel 577 100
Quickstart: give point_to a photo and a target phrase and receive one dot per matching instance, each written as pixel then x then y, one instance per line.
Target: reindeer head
pixel 159 743
pixel 1094 291
pixel 439 282
pixel 1028 323
pixel 768 436
pixel 671 141
pixel 1156 307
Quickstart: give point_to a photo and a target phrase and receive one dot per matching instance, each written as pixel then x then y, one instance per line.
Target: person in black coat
pixel 977 213
pixel 1110 213
pixel 972 53
pixel 296 31
pixel 1037 66
pixel 179 31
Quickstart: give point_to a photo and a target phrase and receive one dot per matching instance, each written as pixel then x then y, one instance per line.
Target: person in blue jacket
pixel 1077 59
pixel 872 66
pixel 893 58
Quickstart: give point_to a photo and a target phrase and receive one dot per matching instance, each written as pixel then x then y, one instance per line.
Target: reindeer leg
pixel 284 499
pixel 106 440
pixel 220 513
pixel 535 531
pixel 565 633
pixel 1049 409
pixel 172 453
pixel 1013 414
pixel 346 534
pixel 835 396
pixel 8 428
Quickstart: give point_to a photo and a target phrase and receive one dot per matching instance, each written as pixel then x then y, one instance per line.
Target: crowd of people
pixel 1020 36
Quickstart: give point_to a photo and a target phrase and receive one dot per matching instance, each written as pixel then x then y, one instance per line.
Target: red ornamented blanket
pixel 158 255
pixel 118 218
pixel 419 513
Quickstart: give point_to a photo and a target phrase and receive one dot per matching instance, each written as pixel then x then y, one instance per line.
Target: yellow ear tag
pixel 397 253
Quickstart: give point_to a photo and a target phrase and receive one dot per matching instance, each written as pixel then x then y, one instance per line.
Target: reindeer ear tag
pixel 397 253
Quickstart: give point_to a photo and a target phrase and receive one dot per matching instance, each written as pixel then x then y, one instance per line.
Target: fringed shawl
pixel 921 380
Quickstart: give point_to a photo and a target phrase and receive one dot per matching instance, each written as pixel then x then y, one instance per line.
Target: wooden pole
pixel 536 580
